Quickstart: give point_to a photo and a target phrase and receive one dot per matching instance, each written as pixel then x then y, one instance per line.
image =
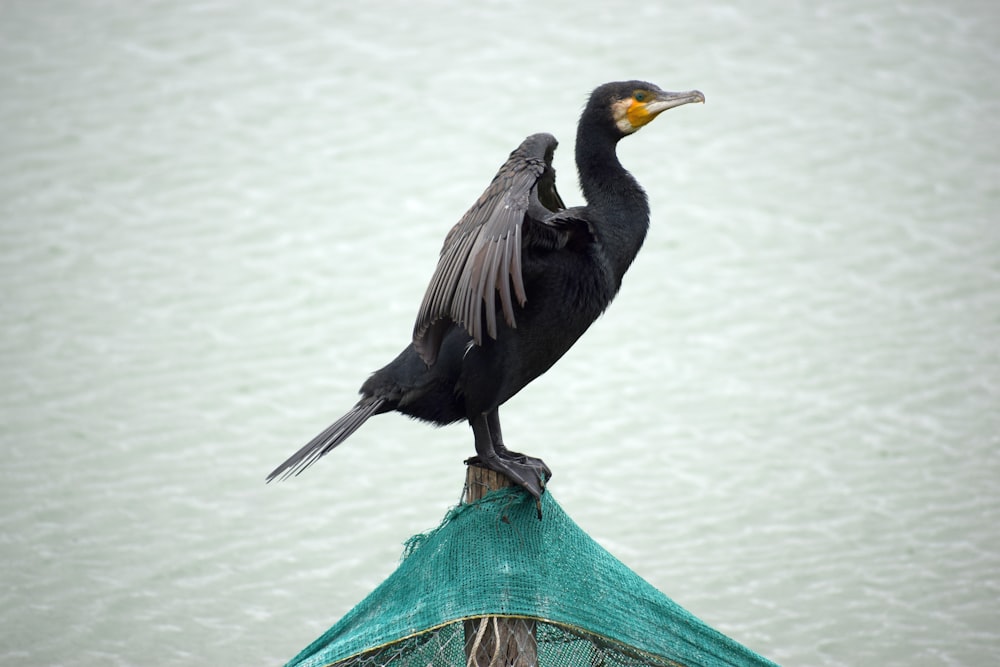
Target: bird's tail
pixel 334 434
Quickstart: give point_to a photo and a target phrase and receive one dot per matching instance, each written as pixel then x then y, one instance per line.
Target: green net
pixel 493 585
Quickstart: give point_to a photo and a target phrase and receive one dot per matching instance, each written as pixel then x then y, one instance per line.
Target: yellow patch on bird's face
pixel 632 113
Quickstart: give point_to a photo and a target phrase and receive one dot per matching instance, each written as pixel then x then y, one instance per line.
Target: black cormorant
pixel 519 279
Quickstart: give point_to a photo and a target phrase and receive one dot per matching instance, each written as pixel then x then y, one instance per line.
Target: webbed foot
pixel 536 464
pixel 529 475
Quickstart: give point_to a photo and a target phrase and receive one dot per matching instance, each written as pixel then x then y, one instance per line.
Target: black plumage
pixel 518 281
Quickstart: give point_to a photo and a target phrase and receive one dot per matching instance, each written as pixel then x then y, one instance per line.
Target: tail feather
pixel 332 436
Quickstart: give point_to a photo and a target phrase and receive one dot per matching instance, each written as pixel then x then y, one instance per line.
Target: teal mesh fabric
pixel 495 558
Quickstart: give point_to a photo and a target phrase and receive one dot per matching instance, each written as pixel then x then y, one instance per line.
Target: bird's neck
pixel 617 203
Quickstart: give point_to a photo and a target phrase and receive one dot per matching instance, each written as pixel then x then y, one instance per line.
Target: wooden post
pixel 496 641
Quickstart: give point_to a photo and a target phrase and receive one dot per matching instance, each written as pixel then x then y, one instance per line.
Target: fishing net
pixel 493 585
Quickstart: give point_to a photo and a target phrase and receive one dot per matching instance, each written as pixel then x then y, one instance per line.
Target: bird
pixel 519 279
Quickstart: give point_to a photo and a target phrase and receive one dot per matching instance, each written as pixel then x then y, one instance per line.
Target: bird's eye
pixel 639 96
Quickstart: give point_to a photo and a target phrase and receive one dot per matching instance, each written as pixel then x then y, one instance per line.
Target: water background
pixel 216 218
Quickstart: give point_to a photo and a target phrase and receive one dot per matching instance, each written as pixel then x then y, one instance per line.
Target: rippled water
pixel 216 218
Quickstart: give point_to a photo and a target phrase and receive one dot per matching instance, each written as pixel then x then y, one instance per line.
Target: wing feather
pixel 481 256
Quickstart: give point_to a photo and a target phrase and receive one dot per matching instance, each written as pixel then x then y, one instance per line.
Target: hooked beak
pixel 666 100
pixel 641 113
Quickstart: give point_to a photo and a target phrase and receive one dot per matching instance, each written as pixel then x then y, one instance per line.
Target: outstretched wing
pixel 481 257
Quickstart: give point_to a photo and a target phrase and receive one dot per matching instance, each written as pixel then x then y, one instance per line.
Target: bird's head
pixel 633 104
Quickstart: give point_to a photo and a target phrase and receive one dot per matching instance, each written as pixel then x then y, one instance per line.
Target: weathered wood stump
pixel 496 641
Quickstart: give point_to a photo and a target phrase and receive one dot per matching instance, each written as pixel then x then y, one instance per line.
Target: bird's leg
pixel 493 421
pixel 524 475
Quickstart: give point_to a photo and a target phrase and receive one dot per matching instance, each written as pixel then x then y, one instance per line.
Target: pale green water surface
pixel 216 218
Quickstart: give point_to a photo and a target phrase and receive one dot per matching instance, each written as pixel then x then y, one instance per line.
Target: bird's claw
pixel 530 474
pixel 530 461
